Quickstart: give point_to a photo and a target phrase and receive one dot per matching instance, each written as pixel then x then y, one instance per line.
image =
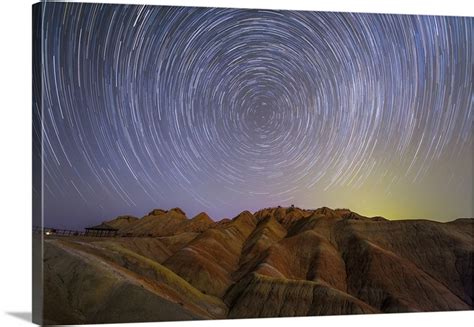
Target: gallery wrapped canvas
pixel 214 163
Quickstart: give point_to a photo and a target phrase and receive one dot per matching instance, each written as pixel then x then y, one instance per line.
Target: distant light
pixel 48 233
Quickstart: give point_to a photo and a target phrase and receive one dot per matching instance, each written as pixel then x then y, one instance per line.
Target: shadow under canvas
pixel 23 315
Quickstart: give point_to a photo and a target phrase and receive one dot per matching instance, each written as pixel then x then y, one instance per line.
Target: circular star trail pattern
pixel 223 110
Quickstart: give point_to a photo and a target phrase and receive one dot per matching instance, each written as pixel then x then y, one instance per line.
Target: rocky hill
pixel 271 263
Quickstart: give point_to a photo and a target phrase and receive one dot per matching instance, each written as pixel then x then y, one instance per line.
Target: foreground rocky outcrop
pixel 275 262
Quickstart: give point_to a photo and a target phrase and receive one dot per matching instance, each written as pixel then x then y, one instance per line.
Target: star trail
pixel 223 110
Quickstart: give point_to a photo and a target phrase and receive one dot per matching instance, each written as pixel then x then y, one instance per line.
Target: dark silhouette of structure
pixel 101 230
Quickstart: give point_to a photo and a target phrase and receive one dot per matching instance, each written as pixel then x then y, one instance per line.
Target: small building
pixel 101 230
pixel 49 231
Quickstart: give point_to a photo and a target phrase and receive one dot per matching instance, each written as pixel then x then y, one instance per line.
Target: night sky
pixel 223 110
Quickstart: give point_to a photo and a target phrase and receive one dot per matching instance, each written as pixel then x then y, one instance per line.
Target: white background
pixel 15 163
